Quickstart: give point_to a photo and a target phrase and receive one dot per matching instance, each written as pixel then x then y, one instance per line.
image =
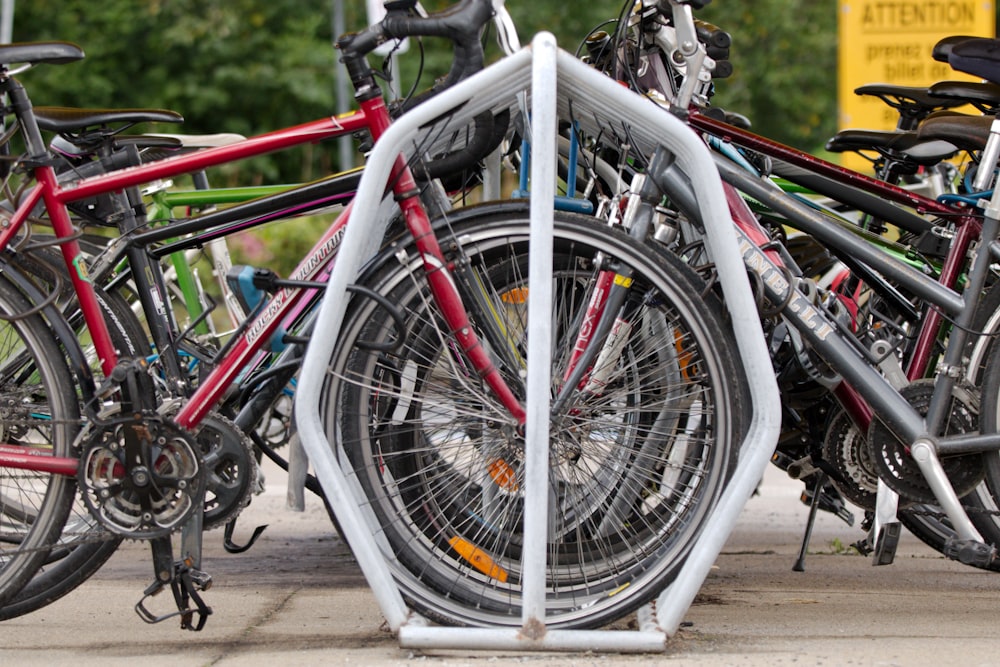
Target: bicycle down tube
pixel 373 116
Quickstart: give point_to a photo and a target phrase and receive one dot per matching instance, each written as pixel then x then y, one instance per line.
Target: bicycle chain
pixel 92 537
pixel 941 515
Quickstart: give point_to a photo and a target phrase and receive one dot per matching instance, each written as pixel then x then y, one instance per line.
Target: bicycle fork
pixel 601 331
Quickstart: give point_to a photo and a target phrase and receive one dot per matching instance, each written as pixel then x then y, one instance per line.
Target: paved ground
pixel 298 598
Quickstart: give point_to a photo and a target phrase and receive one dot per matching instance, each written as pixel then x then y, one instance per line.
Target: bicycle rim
pixel 40 413
pixel 636 462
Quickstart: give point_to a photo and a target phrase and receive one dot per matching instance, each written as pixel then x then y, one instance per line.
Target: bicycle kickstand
pixel 231 546
pixel 185 581
pixel 800 562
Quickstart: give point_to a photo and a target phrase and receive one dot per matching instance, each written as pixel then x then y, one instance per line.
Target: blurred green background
pixel 250 66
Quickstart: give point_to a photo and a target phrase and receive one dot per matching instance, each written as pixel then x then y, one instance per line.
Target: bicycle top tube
pixel 311 132
pixel 814 164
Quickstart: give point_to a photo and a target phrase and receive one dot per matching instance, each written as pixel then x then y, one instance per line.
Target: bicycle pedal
pixel 886 543
pixel 185 584
pixel 863 546
pixel 201 581
pixel 970 552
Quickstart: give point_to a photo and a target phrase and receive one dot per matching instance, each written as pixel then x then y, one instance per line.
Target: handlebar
pixel 461 24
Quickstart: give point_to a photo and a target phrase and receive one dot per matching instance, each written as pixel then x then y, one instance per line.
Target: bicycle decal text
pixel 306 271
pixel 778 288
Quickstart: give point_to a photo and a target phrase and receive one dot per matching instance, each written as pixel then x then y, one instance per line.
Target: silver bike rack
pixel 554 80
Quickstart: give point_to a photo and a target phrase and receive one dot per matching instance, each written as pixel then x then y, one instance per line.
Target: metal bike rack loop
pixel 552 77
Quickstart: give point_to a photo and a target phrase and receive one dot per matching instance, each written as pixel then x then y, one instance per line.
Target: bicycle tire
pixel 989 422
pixel 635 471
pixel 983 503
pixel 70 565
pixel 41 409
pixel 926 522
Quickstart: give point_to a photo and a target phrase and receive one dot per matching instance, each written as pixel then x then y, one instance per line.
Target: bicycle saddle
pixel 979 57
pixel 943 48
pixel 913 103
pixel 967 132
pixel 54 53
pixel 983 96
pixel 907 97
pixel 908 145
pixel 66 119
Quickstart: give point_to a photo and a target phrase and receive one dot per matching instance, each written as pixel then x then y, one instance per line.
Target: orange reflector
pixel 478 559
pixel 684 358
pixel 516 295
pixel 503 475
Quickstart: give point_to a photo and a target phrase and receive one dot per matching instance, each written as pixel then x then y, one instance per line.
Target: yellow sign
pixel 890 41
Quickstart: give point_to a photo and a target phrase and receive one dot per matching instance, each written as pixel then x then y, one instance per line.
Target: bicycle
pixel 106 477
pixel 870 265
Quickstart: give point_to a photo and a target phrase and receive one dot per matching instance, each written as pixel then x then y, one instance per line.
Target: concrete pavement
pixel 298 598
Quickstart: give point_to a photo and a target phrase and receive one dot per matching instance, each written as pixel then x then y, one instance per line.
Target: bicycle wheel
pixel 927 522
pixel 636 462
pixel 84 546
pixel 987 519
pixel 41 413
pixel 983 504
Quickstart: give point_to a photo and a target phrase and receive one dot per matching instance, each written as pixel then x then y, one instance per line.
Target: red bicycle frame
pixel 372 116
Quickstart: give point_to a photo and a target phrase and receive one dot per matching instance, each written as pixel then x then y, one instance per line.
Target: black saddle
pixel 68 120
pixel 913 103
pixel 54 53
pixel 967 132
pixel 978 57
pixel 983 96
pixel 899 145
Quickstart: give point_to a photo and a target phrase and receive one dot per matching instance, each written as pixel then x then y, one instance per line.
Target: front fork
pixel 601 331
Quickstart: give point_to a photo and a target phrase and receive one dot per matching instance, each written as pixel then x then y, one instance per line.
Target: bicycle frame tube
pixel 822 167
pixel 276 311
pixel 314 131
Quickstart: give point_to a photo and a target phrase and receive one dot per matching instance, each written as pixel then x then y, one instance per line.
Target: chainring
pixel 848 451
pixel 898 469
pixel 231 473
pixel 142 499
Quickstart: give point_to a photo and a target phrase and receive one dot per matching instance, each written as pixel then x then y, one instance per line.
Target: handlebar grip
pixel 723 69
pixel 711 35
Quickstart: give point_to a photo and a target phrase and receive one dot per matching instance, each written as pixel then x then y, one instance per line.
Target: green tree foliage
pixel 784 57
pixel 251 66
